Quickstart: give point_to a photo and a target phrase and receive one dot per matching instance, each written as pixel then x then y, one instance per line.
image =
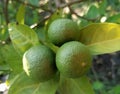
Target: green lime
pixel 39 63
pixel 73 59
pixel 62 30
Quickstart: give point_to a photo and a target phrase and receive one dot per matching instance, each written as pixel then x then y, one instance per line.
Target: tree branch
pixel 5 10
pixel 39 23
pixel 73 12
pixel 58 6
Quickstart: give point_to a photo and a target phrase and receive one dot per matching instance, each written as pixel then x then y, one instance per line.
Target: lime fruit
pixel 62 30
pixel 39 63
pixel 73 59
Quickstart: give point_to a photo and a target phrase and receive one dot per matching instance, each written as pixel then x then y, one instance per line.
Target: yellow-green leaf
pixel 80 85
pixel 24 85
pixel 22 37
pixel 20 14
pixel 12 61
pixel 101 38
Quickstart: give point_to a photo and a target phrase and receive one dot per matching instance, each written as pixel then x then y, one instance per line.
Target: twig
pixel 58 6
pixel 73 12
pixel 36 7
pixel 42 21
pixel 5 10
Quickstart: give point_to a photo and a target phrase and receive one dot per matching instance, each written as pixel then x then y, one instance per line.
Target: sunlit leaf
pixel 24 85
pixel 22 37
pixel 75 86
pixel 20 14
pixel 101 37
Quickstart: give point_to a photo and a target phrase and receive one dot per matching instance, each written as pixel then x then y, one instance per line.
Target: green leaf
pixel 101 38
pixel 21 14
pixel 97 85
pixel 5 68
pixel 75 86
pixel 1 57
pixel 4 33
pixel 22 37
pixel 41 33
pixel 92 13
pixel 115 90
pixel 24 85
pixel 12 58
pixel 83 23
pixel 114 18
pixel 34 2
pixel 102 7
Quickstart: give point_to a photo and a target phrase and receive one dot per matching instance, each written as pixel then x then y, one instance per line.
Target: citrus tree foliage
pixel 24 23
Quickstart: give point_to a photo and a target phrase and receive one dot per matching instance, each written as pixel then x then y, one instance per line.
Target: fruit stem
pixel 51 46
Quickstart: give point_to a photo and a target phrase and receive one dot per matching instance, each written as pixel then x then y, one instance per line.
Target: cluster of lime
pixel 72 59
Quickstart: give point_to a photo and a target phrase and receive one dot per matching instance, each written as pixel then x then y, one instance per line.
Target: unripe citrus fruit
pixel 39 63
pixel 73 59
pixel 62 30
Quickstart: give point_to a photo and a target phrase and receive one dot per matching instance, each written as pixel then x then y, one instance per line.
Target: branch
pixel 5 10
pixel 73 12
pixel 42 21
